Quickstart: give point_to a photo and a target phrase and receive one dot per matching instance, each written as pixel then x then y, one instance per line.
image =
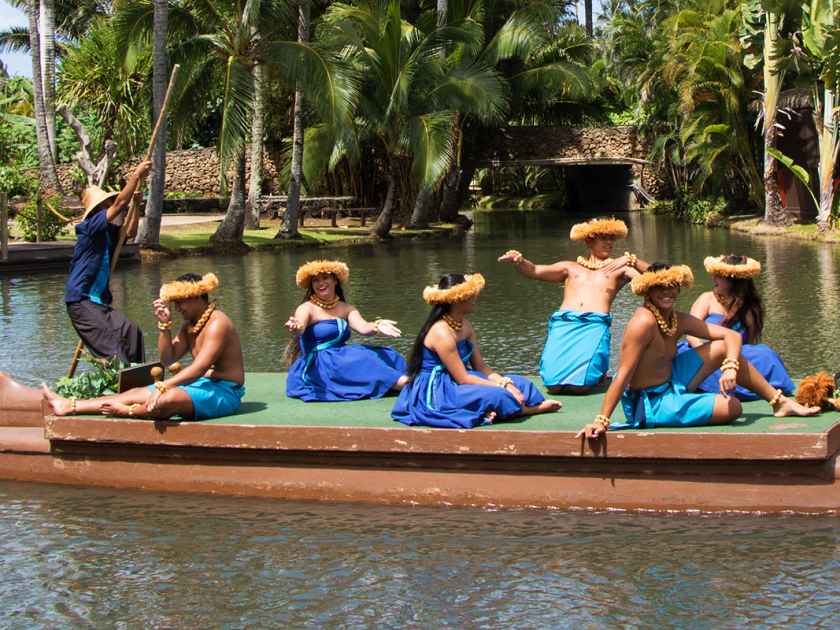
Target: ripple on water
pixel 98 557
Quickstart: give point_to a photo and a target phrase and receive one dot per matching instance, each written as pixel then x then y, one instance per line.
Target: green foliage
pixel 701 210
pixel 27 220
pixel 102 379
pixel 14 181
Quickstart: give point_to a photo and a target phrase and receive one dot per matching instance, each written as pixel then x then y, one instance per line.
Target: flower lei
pixel 669 329
pixel 594 266
pixel 205 316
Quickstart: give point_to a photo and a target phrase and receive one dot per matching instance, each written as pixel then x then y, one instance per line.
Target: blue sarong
pixel 669 404
pixel 577 349
pixel 435 399
pixel 213 397
pixel 763 358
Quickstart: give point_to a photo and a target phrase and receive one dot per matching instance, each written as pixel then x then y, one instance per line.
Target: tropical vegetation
pixel 389 101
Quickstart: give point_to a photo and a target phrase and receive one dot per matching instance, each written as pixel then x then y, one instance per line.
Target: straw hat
pixel 610 228
pixel 92 196
pixel 749 268
pixel 306 272
pixel 185 289
pixel 676 276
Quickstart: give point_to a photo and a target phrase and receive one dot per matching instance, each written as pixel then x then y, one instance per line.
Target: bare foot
pixel 789 407
pixel 401 382
pixel 112 408
pixel 60 406
pixel 548 406
pixel 491 415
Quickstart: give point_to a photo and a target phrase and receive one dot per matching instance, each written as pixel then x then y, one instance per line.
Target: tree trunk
pixel 255 184
pixel 229 233
pixel 423 205
pixel 774 213
pixel 828 158
pixel 149 232
pixel 382 227
pixel 49 176
pixel 590 24
pixel 48 62
pixel 455 195
pixel 290 223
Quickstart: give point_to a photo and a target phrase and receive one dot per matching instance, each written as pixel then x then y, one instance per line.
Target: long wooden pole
pixel 4 228
pixel 132 209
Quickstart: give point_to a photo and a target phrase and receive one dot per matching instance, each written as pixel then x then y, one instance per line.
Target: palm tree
pixel 149 232
pixel 48 43
pixel 257 130
pixel 409 95
pixel 216 35
pixel 290 223
pixel 49 176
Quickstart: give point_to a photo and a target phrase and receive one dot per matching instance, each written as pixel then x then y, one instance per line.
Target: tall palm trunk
pixel 773 211
pixel 587 7
pixel 383 222
pixel 149 233
pixel 290 225
pixel 255 184
pixel 828 158
pixel 49 177
pixel 48 63
pixel 229 233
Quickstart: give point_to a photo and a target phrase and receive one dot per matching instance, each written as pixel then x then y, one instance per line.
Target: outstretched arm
pixel 299 320
pixel 384 327
pixel 558 272
pixel 637 336
pixel 123 199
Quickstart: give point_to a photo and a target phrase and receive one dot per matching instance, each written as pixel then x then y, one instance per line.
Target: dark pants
pixel 107 332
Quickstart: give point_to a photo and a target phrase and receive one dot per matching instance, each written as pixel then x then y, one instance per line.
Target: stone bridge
pixel 606 167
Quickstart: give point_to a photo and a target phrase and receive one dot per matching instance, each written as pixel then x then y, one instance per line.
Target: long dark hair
pixel 292 350
pixel 415 361
pixel 743 289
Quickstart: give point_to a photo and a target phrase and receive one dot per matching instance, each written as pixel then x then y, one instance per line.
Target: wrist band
pixel 164 326
pixel 778 397
pixel 504 382
pixel 132 407
pixel 72 405
pixel 161 387
pixel 730 364
pixel 602 420
pixel 632 259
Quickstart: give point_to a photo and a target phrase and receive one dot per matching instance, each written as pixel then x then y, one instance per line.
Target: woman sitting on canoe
pixel 734 303
pixel 451 386
pixel 323 366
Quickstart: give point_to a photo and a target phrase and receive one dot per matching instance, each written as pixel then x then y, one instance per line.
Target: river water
pixel 90 557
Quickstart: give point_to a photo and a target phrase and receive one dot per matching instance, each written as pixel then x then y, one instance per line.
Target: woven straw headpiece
pixel 471 286
pixel 306 272
pixel 676 276
pixel 747 269
pixel 611 228
pixel 185 289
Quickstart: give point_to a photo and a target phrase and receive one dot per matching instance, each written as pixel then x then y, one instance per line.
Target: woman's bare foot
pixel 548 405
pixel 789 407
pixel 60 406
pixel 401 382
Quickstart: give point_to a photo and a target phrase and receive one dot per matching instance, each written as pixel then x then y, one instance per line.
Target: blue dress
pixel 763 357
pixel 329 370
pixel 434 399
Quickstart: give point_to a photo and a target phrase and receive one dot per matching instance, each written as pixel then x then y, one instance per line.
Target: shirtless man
pixel 576 355
pixel 657 387
pixel 210 387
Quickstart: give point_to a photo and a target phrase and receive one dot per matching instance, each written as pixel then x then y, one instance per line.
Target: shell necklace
pixel 205 317
pixel 594 266
pixel 324 305
pixel 453 323
pixel 669 329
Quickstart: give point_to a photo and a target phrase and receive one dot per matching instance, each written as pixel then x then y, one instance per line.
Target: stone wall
pixel 573 143
pixel 192 171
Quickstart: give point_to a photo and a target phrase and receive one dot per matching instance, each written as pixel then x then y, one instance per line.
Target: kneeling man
pixel 210 387
pixel 657 387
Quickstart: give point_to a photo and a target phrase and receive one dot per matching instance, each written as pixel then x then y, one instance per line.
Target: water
pixel 102 558
pixel 86 557
pixel 799 286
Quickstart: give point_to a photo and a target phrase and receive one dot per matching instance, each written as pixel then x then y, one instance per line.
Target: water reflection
pixel 100 557
pixel 799 288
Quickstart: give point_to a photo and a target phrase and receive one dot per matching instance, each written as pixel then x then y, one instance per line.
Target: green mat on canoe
pixel 265 402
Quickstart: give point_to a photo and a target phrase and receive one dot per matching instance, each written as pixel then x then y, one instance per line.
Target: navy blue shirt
pixel 90 268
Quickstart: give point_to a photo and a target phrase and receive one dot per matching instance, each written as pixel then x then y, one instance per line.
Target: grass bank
pixel 543 201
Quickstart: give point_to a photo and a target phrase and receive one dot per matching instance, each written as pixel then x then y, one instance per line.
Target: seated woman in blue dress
pixel 735 303
pixel 323 367
pixel 450 384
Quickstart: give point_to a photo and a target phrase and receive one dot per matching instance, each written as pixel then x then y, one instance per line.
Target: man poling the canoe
pixel 210 387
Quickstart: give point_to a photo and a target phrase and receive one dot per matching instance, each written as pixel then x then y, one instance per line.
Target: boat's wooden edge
pixel 662 444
